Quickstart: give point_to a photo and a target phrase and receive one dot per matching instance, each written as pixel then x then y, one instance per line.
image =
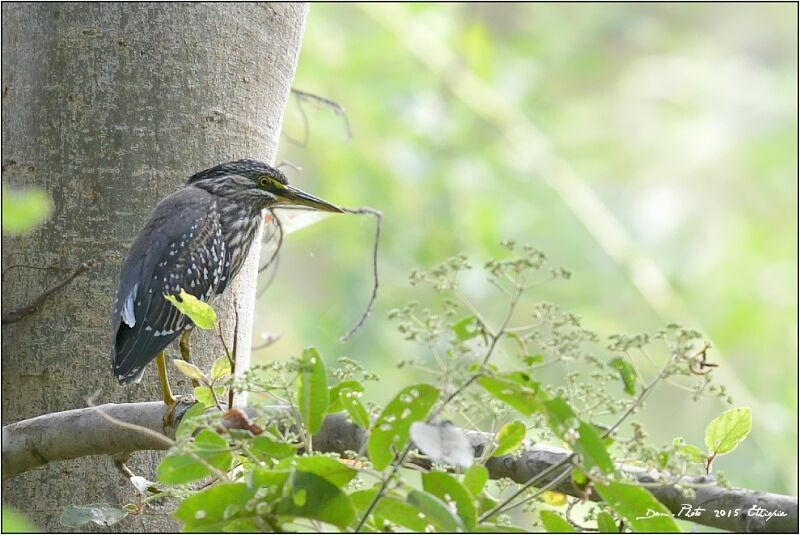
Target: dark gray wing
pixel 180 247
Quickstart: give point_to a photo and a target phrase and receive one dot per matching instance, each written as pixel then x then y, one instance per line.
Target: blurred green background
pixel 649 148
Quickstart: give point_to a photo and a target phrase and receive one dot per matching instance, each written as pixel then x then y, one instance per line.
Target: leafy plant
pixel 723 435
pixel 237 471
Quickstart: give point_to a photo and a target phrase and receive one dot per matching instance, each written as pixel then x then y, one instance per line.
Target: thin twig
pixel 235 333
pixel 495 337
pixel 275 254
pixel 378 220
pixel 401 459
pixel 126 425
pixel 224 345
pixel 499 508
pixel 165 439
pixel 28 266
pixel 17 314
pixel 285 163
pixel 337 108
pixel 395 466
pixel 306 127
pixel 568 515
pixel 235 348
pixel 637 402
pixel 268 341
pixel 217 403
pixel 280 240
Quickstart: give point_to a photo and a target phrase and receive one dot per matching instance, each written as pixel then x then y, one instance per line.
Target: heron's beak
pixel 292 196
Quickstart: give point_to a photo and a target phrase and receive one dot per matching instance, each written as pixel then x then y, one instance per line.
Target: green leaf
pixel 335 404
pixel 307 487
pixel 509 438
pixel 315 497
pixel 640 510
pixel 522 379
pixel 517 396
pixel 555 523
pixel 390 431
pixel 693 453
pixel 250 524
pixel 214 508
pixel 336 472
pixel 584 438
pixel 177 468
pixel 266 478
pixel 390 509
pixel 605 523
pixel 15 522
pixel 189 370
pixel 435 510
pixel 498 528
pixel 203 395
pixel 530 360
pixel 725 432
pixel 199 312
pixel 626 372
pixel 221 367
pixel 312 390
pixel 266 448
pixel 24 210
pixel 101 514
pixel 579 478
pixel 354 408
pixel 448 489
pixel 475 478
pixel 466 328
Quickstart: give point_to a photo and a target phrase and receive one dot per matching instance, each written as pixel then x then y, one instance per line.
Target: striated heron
pixel 195 240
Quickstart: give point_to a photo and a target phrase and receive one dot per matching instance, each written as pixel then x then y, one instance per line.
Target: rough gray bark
pixel 109 107
pixel 55 437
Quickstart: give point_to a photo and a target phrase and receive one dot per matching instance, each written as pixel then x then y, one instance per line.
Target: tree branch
pixel 77 433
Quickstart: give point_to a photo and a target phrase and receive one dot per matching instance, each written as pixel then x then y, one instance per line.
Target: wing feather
pixel 178 235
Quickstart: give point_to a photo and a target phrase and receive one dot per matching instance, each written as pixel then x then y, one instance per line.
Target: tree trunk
pixel 109 107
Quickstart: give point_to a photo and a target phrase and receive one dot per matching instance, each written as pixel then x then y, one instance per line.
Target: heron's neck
pixel 239 229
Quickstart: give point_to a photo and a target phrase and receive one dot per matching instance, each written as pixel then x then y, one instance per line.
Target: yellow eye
pixel 264 182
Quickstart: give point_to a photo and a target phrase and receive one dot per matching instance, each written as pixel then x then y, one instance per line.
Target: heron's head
pixel 258 184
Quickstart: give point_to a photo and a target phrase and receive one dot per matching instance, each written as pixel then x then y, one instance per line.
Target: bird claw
pixel 168 415
pixel 171 419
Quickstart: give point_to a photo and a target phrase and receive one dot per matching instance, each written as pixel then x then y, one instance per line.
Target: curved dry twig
pixel 367 311
pixel 274 259
pixel 13 316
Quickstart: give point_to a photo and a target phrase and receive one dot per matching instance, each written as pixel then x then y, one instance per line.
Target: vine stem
pixel 535 479
pixel 506 505
pixel 495 338
pixel 384 484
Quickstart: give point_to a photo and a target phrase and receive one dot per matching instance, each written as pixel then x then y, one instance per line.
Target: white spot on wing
pixel 128 315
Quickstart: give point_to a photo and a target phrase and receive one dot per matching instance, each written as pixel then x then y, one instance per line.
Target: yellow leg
pixel 166 392
pixel 185 355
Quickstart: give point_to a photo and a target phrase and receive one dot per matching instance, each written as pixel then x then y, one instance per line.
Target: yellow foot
pixel 185 351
